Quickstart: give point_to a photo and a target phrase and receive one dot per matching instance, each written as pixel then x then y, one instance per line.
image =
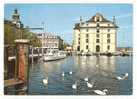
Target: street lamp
pixel 43 36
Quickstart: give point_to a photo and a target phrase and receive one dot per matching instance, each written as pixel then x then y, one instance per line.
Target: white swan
pixel 45 81
pixel 122 78
pixel 63 74
pixel 125 76
pixel 86 79
pixel 70 72
pixel 119 78
pixel 24 88
pixel 99 92
pixel 74 86
pixel 90 85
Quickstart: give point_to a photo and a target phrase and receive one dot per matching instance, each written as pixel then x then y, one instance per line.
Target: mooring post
pixel 22 65
pixel 38 52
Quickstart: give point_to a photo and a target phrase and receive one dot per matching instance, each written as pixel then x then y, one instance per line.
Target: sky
pixel 59 19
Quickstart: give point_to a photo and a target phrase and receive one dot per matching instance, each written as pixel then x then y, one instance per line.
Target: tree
pixel 11 32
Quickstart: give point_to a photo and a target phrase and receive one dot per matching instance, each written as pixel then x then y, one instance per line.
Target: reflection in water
pixel 101 70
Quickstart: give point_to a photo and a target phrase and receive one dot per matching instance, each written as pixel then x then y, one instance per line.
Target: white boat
pixel 53 55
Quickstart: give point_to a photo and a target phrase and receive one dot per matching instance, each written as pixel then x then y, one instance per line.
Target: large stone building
pixel 97 35
pixel 50 41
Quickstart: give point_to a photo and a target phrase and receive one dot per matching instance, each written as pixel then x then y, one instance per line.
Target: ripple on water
pixel 103 75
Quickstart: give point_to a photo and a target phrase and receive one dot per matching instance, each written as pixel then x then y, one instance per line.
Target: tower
pixel 15 17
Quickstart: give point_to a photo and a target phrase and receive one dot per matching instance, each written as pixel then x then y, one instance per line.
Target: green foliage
pixel 11 32
pixel 65 45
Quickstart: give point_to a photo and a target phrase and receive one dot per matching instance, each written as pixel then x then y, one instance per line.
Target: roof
pixel 77 26
pixel 92 19
pixel 98 15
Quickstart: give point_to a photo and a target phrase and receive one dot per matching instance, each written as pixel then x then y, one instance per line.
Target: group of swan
pixel 45 81
pixel 89 85
pixel 99 92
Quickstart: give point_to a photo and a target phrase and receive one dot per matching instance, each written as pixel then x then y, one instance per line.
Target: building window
pixel 108 35
pixel 97 40
pixel 108 40
pixel 97 30
pixel 97 19
pixel 108 30
pixel 86 40
pixel 97 35
pixel 97 24
pixel 87 30
pixel 78 48
pixel 87 24
pixel 86 46
pixel 82 23
pixel 79 42
pixel 87 35
pixel 79 38
pixel 108 47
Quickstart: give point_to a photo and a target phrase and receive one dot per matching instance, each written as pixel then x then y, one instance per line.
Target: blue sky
pixel 60 18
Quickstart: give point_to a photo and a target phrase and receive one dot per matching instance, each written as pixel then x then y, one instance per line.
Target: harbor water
pixel 101 70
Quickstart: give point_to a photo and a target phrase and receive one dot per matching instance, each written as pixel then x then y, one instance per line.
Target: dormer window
pixel 97 19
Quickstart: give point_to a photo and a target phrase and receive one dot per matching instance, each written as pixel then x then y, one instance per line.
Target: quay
pixel 12 82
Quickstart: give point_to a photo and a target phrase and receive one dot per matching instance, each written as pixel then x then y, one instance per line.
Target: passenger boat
pixel 53 55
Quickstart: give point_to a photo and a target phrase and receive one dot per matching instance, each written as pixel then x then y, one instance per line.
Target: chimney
pixel 80 20
pixel 114 20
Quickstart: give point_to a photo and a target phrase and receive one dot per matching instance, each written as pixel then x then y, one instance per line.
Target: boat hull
pixel 53 58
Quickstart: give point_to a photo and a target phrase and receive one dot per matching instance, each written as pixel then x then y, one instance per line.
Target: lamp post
pixel 43 37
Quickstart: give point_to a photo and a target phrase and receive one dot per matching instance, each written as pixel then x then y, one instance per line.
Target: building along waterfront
pixel 96 35
pixel 50 41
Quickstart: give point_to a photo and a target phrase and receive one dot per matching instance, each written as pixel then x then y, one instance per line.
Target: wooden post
pixel 32 60
pixel 22 66
pixel 6 61
pixel 38 52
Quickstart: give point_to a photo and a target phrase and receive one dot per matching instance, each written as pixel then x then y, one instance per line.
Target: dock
pixel 12 82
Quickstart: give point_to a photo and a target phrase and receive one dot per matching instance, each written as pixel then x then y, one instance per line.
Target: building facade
pixel 50 41
pixel 97 35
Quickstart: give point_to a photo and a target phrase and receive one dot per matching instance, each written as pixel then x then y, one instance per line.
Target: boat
pixel 52 55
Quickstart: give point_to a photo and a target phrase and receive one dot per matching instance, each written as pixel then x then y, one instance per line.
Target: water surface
pixel 103 75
